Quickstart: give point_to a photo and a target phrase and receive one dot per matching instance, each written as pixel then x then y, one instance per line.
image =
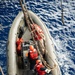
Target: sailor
pixel 39 36
pixel 41 69
pixel 33 56
pixel 18 46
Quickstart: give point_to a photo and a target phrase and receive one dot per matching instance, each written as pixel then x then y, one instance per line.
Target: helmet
pixel 38 61
pixel 31 47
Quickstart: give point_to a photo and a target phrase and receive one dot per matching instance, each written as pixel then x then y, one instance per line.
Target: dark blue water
pixel 50 12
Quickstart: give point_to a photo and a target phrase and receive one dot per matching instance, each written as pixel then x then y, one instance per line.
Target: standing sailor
pixel 33 56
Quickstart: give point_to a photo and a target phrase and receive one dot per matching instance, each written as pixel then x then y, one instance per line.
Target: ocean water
pixel 50 12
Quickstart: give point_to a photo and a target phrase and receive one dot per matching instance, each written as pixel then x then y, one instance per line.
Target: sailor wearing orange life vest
pixel 38 36
pixel 18 43
pixel 33 56
pixel 40 68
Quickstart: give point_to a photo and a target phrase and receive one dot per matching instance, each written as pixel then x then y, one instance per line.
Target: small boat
pixel 11 46
pixel 21 67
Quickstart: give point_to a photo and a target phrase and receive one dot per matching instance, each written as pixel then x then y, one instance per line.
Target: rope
pixel 44 62
pixel 1 70
pixel 29 22
pixel 44 47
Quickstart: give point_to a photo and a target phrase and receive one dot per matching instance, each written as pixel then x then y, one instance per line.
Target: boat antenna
pixel 1 70
pixel 62 14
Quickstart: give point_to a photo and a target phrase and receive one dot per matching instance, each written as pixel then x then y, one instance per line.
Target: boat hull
pixel 11 46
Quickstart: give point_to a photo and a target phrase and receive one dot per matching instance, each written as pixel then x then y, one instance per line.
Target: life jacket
pixel 38 69
pixel 38 31
pixel 18 43
pixel 33 54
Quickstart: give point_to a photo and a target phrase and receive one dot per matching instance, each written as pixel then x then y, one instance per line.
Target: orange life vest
pixel 18 43
pixel 33 54
pixel 38 31
pixel 37 67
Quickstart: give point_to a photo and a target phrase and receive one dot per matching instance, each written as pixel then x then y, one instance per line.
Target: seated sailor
pixel 18 46
pixel 41 69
